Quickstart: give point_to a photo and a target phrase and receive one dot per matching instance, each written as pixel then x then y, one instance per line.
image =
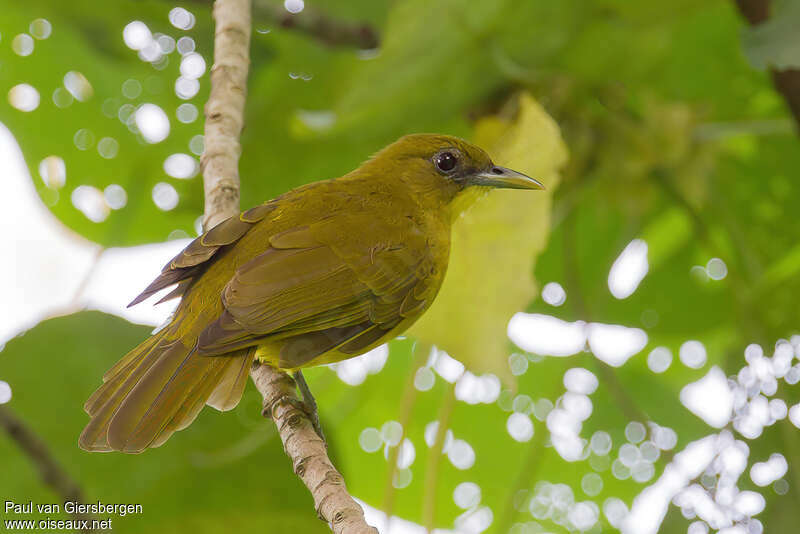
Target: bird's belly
pixel 269 352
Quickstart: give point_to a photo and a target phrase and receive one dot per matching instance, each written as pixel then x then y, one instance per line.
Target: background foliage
pixel 673 137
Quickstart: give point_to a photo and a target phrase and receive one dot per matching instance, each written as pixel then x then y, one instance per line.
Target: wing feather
pixel 194 259
pixel 316 293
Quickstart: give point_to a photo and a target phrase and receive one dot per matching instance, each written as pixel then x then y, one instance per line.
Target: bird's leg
pixel 310 403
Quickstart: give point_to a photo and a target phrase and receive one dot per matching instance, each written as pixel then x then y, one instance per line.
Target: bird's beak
pixel 503 178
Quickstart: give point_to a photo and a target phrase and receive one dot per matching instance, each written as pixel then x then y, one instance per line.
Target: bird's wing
pixel 325 287
pixel 197 256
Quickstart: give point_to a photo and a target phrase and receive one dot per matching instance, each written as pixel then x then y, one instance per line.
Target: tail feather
pixel 229 390
pixel 136 354
pixel 103 404
pixel 154 399
pixel 115 378
pixel 189 408
pixel 157 389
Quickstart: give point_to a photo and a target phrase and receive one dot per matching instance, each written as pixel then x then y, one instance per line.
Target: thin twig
pixel 321 26
pixel 527 472
pixel 316 23
pixel 607 374
pixel 224 121
pixel 420 351
pixel 786 81
pixel 431 482
pixel 49 469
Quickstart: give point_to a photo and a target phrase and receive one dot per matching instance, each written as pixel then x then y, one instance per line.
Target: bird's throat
pixel 465 199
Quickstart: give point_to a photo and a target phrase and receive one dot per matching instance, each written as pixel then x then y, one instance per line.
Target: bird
pixel 322 273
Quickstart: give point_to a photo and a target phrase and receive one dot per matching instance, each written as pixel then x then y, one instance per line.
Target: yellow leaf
pixel 495 245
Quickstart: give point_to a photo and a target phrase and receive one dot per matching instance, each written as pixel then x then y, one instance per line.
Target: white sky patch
pixel 520 427
pixel 461 454
pixel 693 354
pixel 192 65
pixel 165 197
pixel 355 370
pixel 22 44
pixel 477 389
pixel 317 120
pixel 122 273
pixel 78 86
pixel 186 88
pixel 152 122
pixel 553 294
pixel 394 524
pixel 650 506
pixel 446 366
pixel 181 166
pixel 51 262
pixel 580 380
pixel 40 28
pixel 794 415
pixel 53 172
pixel 710 398
pixel 181 18
pixel 628 270
pixel 565 422
pixel 431 430
pixel 116 197
pixel 615 344
pixel 90 201
pixel 547 335
pixel 467 495
pixel 551 336
pixel 765 473
pixel 294 6
pixel 46 262
pixel 24 97
pixel 136 35
pixel 186 113
pixel 659 359
pixel 5 392
pixel 185 45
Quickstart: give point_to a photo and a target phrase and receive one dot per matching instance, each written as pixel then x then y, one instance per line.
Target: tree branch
pixel 319 25
pixel 308 453
pixel 786 82
pixel 224 121
pixel 225 110
pixel 49 469
pixel 431 482
pixel 420 354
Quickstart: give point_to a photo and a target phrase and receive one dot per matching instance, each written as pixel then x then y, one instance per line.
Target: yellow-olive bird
pixel 320 274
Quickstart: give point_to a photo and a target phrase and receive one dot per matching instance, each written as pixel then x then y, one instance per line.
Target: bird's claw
pixel 309 405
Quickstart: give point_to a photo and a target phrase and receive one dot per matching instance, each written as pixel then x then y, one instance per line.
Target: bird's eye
pixel 445 161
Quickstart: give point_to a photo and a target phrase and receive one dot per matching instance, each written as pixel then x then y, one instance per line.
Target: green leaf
pixel 197 481
pixel 92 45
pixel 495 244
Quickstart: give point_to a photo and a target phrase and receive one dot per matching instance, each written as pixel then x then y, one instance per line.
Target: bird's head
pixel 443 167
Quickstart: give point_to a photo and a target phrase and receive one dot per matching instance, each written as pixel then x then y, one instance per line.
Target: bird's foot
pixel 309 405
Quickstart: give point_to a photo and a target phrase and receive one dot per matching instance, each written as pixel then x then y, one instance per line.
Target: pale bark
pixel 224 121
pixel 309 453
pixel 225 110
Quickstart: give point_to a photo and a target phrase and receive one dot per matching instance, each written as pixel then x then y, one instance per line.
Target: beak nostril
pixel 497 170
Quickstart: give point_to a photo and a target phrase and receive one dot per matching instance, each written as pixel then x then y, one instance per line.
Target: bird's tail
pixel 158 388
